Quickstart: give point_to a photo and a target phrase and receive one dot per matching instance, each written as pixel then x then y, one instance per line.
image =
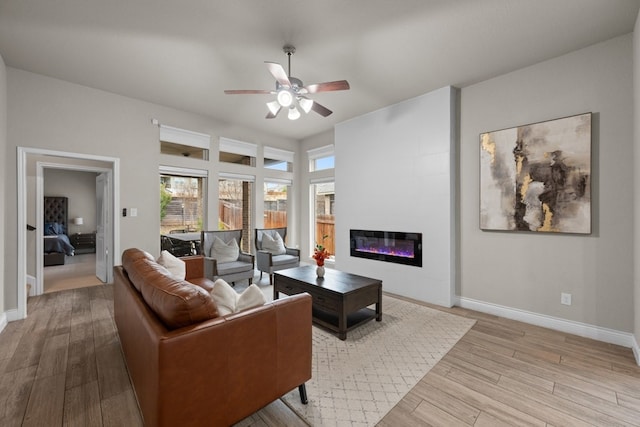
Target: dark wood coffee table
pixel 340 299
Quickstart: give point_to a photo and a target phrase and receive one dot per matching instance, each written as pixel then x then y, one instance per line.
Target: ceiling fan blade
pixel 271 115
pixel 321 109
pixel 327 86
pixel 248 92
pixel 278 73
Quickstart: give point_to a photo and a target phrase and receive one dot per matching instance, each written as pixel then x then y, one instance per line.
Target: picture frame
pixel 537 177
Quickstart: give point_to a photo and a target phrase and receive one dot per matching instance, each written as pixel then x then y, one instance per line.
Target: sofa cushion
pixel 229 301
pixel 274 244
pixel 137 275
pixel 234 267
pixel 284 259
pixel 177 303
pixel 176 266
pixel 224 252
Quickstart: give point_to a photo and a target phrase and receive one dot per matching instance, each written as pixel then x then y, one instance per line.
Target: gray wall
pixel 529 271
pixel 52 114
pixel 80 188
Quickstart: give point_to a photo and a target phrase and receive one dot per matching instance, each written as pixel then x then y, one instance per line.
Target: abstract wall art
pixel 537 177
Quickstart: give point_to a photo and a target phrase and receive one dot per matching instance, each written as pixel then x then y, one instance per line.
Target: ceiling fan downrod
pixel 289 50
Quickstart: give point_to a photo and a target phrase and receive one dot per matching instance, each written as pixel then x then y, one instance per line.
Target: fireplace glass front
pixel 389 246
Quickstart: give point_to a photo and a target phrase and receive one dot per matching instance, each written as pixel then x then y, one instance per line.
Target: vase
pixel 320 271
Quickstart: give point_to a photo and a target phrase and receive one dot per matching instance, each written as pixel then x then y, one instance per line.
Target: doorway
pixel 78 268
pixel 31 163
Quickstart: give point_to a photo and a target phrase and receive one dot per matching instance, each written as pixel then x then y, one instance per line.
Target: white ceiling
pixel 183 54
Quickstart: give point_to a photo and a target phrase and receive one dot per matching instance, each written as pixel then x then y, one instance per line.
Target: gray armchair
pixel 268 258
pixel 223 258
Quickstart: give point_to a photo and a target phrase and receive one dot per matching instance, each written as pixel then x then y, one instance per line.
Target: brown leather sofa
pixel 191 367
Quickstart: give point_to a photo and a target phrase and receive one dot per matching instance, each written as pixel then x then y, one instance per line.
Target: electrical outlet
pixel 565 299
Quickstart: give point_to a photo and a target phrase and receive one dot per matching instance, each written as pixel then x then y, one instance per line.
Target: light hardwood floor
pixel 63 366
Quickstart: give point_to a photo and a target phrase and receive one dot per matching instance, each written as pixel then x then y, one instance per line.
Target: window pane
pixel 325 216
pixel 239 159
pixel 322 163
pixel 234 208
pixel 183 150
pixel 279 165
pixel 181 203
pixel 275 204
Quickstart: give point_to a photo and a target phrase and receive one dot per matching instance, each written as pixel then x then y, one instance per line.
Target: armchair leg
pixel 302 389
pixel 271 279
pixel 260 274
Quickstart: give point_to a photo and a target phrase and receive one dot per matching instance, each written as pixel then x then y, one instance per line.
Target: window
pixel 181 142
pixel 238 152
pixel 182 200
pixel 321 158
pixel 235 210
pixel 276 195
pixel 277 159
pixel 324 216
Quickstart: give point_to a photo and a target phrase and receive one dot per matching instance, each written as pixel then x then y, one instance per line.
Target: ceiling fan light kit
pixel 290 91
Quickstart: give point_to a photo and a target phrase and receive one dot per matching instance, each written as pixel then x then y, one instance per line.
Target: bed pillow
pixel 225 252
pixel 275 245
pixel 53 228
pixel 176 266
pixel 229 301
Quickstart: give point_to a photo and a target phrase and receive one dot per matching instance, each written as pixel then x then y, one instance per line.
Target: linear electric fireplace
pixel 389 246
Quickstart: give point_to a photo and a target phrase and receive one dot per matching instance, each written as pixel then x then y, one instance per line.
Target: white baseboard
pixel 12 315
pixel 610 336
pixel 3 321
pixel 636 351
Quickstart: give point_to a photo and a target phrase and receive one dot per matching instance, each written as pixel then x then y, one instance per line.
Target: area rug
pixel 357 381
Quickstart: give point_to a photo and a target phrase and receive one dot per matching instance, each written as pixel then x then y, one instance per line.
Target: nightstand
pixel 85 243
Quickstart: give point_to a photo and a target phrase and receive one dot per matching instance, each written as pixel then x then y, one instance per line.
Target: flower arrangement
pixel 320 253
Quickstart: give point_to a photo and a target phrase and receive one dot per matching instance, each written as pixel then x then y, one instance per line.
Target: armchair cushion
pixel 273 244
pixel 229 301
pixel 176 266
pixel 225 252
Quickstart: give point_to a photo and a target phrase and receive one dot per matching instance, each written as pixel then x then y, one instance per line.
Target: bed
pixel 56 239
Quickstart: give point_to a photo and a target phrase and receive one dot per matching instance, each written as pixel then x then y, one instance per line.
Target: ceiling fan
pixel 291 93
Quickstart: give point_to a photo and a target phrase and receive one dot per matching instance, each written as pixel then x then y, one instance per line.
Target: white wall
pixel 636 183
pixel 52 114
pixel 394 173
pixel 529 271
pixel 3 199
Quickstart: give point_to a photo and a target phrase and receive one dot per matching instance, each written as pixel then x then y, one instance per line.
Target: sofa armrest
pixel 210 267
pixel 245 257
pixel 194 266
pixel 263 260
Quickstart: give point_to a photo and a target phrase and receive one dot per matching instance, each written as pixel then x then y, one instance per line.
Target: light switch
pixel 133 211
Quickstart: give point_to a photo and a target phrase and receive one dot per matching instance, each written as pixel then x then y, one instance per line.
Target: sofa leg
pixel 303 393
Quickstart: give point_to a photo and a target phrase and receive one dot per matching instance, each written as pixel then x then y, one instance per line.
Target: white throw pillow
pixel 273 245
pixel 176 266
pixel 251 297
pixel 228 300
pixel 224 296
pixel 224 252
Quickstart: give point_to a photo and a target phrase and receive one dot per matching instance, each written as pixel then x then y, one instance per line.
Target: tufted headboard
pixel 56 210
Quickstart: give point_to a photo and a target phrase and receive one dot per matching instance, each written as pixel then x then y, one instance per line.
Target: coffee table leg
pixel 342 323
pixel 379 305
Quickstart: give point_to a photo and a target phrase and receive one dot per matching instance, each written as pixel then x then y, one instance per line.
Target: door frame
pixel 23 155
pixel 40 167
